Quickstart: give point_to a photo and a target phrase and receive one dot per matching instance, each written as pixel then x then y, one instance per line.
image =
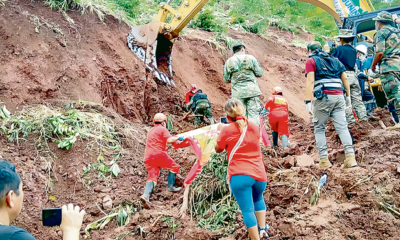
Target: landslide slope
pixel 47 60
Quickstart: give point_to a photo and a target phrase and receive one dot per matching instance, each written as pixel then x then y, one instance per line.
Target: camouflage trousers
pixel 253 108
pixel 356 100
pixel 203 109
pixel 391 86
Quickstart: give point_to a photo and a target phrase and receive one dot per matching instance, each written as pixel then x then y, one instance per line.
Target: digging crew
pixel 278 117
pixel 326 80
pixel 347 55
pixel 387 43
pixel 191 93
pixel 367 97
pixel 156 157
pixel 242 71
pixel 201 107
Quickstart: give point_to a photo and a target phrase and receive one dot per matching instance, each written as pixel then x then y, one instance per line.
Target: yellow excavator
pixel 152 43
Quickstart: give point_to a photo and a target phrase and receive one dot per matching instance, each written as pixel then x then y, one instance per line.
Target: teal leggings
pixel 249 195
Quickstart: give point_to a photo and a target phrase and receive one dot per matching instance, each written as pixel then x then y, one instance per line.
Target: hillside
pixel 46 60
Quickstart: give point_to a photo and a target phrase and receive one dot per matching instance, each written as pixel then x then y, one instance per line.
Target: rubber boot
pixel 285 141
pixel 324 163
pixel 146 195
pixel 275 136
pixel 171 183
pixel 350 161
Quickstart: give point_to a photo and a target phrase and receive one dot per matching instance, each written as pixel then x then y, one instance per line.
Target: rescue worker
pixel 200 105
pixel 241 70
pixel 387 43
pixel 367 97
pixel 278 117
pixel 326 77
pixel 347 55
pixel 191 93
pixel 156 157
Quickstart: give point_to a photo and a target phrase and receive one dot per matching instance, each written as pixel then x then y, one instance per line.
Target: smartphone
pixel 52 217
pixel 224 120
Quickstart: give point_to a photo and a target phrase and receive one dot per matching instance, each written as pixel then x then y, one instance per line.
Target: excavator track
pixel 151 61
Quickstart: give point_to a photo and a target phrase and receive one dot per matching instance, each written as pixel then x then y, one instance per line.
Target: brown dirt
pixel 92 63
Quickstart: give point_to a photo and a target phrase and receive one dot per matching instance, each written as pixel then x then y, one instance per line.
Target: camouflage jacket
pixel 241 70
pixel 390 46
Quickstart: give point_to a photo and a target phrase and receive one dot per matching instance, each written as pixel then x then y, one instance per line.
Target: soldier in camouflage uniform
pixel 387 42
pixel 201 107
pixel 241 70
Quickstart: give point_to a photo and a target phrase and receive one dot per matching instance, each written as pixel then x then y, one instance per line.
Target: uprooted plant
pixel 65 128
pixel 210 201
pixel 122 215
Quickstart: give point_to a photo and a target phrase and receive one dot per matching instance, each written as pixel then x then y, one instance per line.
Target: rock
pixel 107 202
pixel 398 169
pixel 304 160
pixel 106 190
pixel 289 162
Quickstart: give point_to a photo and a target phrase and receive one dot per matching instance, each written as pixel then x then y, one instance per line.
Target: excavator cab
pixel 152 43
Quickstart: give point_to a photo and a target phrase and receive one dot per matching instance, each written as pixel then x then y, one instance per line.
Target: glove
pixel 309 108
pixel 181 139
pixel 264 111
pixel 348 102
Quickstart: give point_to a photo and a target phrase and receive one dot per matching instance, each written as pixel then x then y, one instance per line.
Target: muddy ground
pixel 89 61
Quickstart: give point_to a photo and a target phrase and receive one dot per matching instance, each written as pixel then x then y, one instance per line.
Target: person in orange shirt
pixel 191 93
pixel 278 117
pixel 156 157
pixel 247 177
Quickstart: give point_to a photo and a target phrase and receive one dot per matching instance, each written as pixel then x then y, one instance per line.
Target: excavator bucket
pixel 154 49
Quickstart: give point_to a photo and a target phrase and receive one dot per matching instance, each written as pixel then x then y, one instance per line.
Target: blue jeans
pixel 249 195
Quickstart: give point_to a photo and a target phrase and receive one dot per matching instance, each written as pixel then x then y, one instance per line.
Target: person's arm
pixel 269 103
pixel 310 85
pixel 227 73
pixel 257 69
pixel 369 39
pixel 217 149
pixel 396 19
pixel 378 57
pixel 345 82
pixel 172 139
pixel 71 222
pixel 187 97
pixel 380 43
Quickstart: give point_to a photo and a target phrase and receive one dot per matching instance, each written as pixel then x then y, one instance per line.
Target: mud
pixel 91 62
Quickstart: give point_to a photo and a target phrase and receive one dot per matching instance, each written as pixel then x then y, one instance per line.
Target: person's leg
pixel 392 111
pixel 153 172
pixel 356 99
pixel 241 186
pixel 275 136
pixel 166 162
pixel 321 113
pixel 338 119
pixel 283 130
pixel 209 116
pixel 259 203
pixel 253 109
pixel 391 87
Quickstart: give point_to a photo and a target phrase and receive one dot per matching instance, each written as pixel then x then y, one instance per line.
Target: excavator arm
pixel 343 8
pixel 152 43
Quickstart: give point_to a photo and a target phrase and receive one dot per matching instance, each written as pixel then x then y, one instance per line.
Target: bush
pixel 206 21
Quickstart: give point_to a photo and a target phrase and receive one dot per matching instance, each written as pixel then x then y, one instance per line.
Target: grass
pixel 65 127
pixel 210 201
pixel 122 215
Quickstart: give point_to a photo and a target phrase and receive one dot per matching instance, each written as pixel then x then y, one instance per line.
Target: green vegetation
pixel 65 127
pixel 122 215
pixel 380 4
pixel 211 203
pixel 219 15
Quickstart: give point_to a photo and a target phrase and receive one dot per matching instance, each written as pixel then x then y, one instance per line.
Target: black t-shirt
pixel 14 233
pixel 347 54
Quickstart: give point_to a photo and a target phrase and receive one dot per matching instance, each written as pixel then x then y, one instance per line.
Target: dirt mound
pixel 90 61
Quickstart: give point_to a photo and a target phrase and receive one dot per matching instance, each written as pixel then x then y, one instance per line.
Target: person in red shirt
pixel 278 117
pixel 156 157
pixel 246 171
pixel 191 93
